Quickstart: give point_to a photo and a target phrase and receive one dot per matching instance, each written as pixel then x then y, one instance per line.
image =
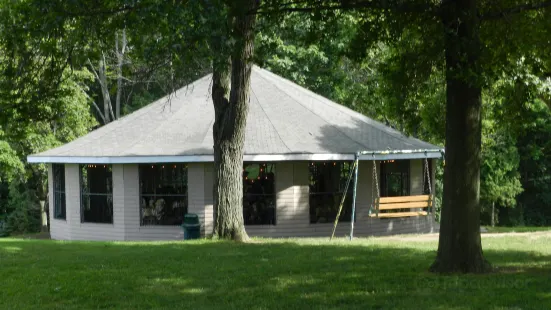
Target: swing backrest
pixel 402 202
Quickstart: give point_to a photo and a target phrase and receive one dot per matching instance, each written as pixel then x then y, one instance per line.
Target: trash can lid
pixel 191 225
pixel 191 218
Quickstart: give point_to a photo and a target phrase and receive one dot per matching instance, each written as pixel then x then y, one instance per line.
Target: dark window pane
pixel 259 201
pixel 96 188
pixel 163 194
pixel 58 172
pixel 327 187
pixel 394 178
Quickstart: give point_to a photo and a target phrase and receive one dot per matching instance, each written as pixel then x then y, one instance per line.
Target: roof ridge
pixel 109 127
pixel 269 119
pixel 313 112
pixel 118 123
pixel 170 116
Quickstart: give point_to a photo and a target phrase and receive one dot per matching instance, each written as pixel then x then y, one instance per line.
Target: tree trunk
pixel 493 214
pixel 102 79
pixel 120 62
pixel 231 107
pixel 43 216
pixel 459 248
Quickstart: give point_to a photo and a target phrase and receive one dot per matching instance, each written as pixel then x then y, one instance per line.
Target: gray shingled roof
pixel 283 119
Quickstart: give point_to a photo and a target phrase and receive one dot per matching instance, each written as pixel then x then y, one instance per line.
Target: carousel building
pixel 135 178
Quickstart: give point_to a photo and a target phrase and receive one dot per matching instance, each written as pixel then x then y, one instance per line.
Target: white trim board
pixel 210 158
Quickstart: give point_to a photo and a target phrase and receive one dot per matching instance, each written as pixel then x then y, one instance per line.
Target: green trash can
pixel 191 227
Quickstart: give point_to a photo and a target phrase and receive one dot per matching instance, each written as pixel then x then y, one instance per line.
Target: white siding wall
pixel 196 192
pixel 292 208
pixel 93 231
pixel 133 229
pixel 208 223
pixel 72 228
pixel 131 198
pixel 197 200
pixel 416 170
pixel 293 216
pixel 292 213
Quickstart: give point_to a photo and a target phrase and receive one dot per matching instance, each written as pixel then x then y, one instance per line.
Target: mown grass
pixel 519 229
pixel 268 274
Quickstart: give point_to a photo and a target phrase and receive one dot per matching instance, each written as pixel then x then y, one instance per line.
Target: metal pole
pixel 356 164
pixel 342 201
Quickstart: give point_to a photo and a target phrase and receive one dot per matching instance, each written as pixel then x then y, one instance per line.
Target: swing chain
pixel 428 175
pixel 375 186
pixel 375 179
pixel 431 203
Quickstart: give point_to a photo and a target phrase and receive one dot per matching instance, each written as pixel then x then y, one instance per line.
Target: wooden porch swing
pixel 389 205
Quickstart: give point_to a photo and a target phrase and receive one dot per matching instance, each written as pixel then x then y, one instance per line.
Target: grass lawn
pixel 519 229
pixel 269 274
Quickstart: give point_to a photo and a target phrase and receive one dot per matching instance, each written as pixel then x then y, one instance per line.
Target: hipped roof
pixel 285 122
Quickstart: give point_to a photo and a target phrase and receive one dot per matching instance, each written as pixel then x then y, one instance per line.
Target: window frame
pixel 345 216
pixel 59 192
pixel 141 195
pixel 273 196
pixel 109 196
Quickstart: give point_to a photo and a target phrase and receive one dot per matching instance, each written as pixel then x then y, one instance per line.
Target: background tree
pixel 26 185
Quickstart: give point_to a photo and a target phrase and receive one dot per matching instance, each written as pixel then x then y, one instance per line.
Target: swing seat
pixel 402 202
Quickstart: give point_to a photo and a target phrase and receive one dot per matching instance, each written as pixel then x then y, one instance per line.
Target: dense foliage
pixel 23 186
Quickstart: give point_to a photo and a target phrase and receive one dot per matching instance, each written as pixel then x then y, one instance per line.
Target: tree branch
pixel 93 70
pixel 120 63
pixel 106 90
pixel 93 103
pixel 99 112
pixel 100 12
pixel 515 10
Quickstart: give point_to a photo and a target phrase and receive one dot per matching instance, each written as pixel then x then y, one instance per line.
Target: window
pixel 96 189
pixel 259 201
pixel 58 172
pixel 327 184
pixel 163 194
pixel 394 178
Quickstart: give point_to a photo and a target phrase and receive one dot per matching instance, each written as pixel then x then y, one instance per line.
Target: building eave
pixel 248 157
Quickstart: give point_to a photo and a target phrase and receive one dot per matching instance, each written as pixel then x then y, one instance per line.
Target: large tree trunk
pixel 231 107
pixel 459 248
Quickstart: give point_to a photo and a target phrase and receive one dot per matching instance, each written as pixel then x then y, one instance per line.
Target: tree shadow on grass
pixel 274 274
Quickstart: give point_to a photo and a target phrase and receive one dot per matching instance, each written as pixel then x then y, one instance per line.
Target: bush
pixel 4 232
pixel 25 214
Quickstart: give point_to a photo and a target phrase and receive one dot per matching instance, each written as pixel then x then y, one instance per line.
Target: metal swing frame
pixel 390 203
